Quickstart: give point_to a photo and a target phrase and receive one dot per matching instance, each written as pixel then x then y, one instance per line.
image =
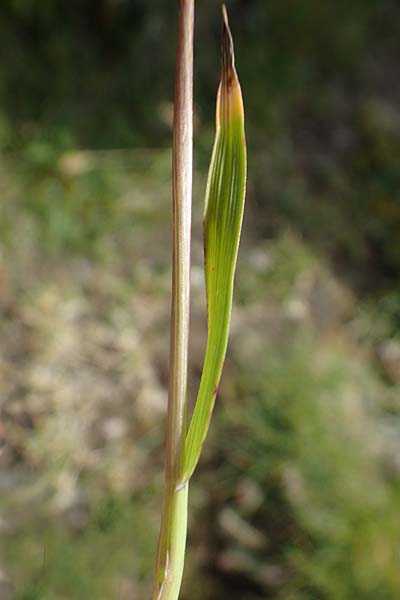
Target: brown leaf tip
pixel 228 58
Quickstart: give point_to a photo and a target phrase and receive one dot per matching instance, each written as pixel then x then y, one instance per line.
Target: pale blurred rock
pixel 70 503
pixel 249 495
pixel 115 428
pixel 151 403
pixel 240 530
pixel 260 260
pixel 75 163
pixel 296 310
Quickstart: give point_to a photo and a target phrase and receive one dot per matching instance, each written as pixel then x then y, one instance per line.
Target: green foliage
pixel 98 562
pixel 306 435
pixel 319 118
pixel 75 203
pixel 73 216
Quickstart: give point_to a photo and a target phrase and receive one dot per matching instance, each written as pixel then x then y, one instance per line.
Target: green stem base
pixel 172 546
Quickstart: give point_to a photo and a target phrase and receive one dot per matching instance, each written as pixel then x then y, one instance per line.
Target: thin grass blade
pixel 224 205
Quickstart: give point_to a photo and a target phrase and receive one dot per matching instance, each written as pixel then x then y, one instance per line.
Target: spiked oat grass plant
pixel 223 215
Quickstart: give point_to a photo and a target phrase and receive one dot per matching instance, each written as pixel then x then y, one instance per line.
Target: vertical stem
pixel 172 540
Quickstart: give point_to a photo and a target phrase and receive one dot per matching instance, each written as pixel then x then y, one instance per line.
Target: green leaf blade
pixel 224 205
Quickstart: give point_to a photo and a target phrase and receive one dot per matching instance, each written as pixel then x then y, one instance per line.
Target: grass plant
pixel 224 206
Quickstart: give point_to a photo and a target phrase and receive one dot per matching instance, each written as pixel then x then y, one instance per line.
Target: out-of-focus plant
pixel 307 443
pixel 222 226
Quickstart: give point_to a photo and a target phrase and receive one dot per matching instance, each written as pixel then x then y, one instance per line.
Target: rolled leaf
pixel 224 204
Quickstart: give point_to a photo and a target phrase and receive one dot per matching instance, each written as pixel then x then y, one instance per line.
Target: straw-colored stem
pixel 172 539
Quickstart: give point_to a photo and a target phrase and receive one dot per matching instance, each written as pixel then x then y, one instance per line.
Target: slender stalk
pixel 172 539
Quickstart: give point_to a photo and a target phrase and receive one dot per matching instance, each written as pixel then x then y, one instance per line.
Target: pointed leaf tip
pixel 225 15
pixel 228 57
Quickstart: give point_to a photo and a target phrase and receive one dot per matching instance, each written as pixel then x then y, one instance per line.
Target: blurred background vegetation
pixel 298 494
